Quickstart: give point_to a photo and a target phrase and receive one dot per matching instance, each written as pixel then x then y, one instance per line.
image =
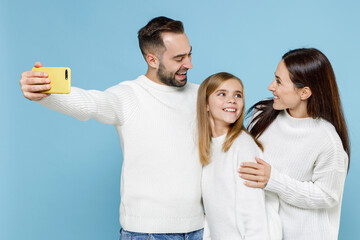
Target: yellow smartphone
pixel 60 79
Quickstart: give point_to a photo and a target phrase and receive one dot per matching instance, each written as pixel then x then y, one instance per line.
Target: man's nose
pixel 188 63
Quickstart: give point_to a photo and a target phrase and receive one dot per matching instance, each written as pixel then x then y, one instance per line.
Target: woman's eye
pixel 278 81
pixel 221 94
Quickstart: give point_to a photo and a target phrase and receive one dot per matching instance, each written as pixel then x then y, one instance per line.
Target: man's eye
pixel 179 59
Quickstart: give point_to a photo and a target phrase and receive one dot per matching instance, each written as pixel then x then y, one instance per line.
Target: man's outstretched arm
pixel 112 106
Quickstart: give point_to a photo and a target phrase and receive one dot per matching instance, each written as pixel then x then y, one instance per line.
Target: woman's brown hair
pixel 308 67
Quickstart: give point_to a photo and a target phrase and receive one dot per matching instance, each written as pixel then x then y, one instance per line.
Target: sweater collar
pixel 165 88
pixel 218 140
pixel 297 122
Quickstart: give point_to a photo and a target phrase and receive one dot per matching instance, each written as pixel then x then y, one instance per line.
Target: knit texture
pixel 161 172
pixel 308 173
pixel 233 210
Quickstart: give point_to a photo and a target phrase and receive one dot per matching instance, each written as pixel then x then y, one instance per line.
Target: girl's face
pixel 225 105
pixel 286 95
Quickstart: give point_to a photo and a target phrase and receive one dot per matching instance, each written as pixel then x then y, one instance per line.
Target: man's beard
pixel 168 78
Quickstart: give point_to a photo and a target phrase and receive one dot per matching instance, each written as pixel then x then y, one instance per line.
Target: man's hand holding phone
pixel 42 81
pixel 34 82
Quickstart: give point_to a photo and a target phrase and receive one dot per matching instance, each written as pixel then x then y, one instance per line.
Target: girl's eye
pixel 238 96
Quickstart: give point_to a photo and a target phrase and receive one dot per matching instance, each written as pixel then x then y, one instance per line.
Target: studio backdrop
pixel 60 177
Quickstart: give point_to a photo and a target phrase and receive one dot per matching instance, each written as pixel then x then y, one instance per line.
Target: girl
pixel 233 211
pixel 306 145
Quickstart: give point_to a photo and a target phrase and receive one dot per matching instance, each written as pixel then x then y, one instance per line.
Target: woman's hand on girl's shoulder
pixel 257 174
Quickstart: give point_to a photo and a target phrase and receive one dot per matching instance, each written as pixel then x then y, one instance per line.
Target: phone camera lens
pixel 66 74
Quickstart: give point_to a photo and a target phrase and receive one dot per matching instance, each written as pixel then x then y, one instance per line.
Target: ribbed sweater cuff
pixel 274 184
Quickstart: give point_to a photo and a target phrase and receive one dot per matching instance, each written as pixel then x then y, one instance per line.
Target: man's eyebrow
pixel 184 54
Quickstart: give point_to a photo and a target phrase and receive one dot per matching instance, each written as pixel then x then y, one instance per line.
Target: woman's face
pixel 225 104
pixel 286 95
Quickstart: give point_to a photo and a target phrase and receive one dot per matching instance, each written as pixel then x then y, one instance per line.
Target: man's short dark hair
pixel 150 35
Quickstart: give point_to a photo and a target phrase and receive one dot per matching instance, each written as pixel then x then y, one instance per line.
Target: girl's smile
pixel 225 106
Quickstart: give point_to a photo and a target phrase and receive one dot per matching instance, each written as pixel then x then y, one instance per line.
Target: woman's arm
pixel 323 191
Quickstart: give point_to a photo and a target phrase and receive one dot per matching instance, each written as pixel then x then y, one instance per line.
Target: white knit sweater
pixel 161 173
pixel 308 173
pixel 233 210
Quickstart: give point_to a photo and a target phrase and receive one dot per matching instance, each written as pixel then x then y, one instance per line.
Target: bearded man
pixel 154 116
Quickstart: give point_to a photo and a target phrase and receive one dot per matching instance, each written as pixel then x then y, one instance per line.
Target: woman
pixel 306 146
pixel 233 211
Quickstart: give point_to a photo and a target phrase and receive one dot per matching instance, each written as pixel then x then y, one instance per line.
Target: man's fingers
pixel 35 96
pixel 38 64
pixel 35 88
pixel 31 74
pixel 36 81
pixel 38 74
pixel 33 82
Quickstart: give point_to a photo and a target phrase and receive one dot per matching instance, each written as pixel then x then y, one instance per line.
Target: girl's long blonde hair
pixel 207 87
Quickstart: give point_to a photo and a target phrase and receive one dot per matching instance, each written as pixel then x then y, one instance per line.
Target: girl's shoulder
pixel 245 148
pixel 246 141
pixel 245 136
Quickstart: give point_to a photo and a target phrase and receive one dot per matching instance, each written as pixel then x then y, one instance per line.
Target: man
pixel 154 116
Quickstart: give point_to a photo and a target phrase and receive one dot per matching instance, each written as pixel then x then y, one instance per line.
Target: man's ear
pixel 305 93
pixel 152 60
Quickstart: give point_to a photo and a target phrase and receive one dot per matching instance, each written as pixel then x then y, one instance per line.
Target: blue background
pixel 59 177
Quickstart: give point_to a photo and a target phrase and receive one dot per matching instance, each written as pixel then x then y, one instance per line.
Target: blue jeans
pixel 196 235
